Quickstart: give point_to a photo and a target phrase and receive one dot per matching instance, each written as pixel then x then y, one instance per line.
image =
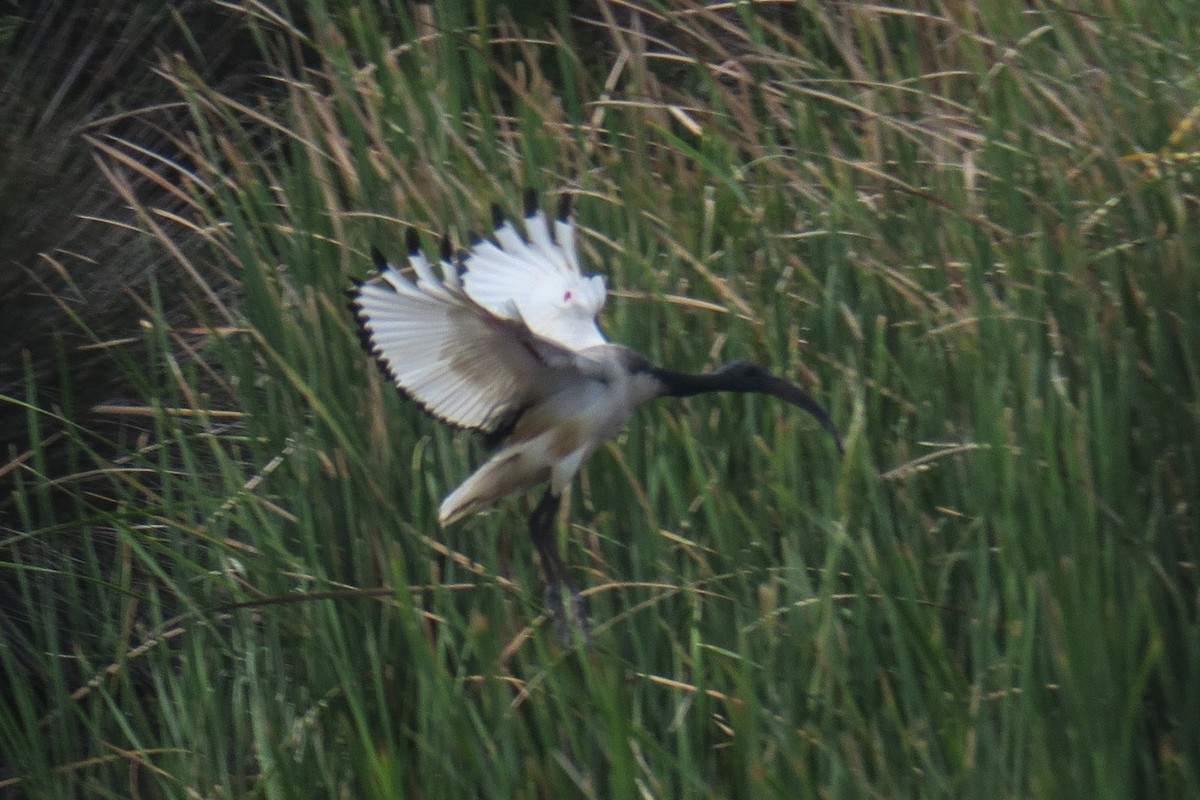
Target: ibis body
pixel 503 339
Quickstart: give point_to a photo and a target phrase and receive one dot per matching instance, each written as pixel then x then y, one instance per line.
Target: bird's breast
pixel 579 416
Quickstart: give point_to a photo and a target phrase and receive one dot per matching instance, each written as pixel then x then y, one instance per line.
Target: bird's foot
pixel 570 612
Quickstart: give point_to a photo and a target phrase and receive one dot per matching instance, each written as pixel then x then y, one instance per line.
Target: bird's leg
pixel 564 602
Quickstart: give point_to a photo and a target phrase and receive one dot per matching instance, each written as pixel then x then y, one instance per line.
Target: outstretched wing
pixel 536 278
pixel 464 364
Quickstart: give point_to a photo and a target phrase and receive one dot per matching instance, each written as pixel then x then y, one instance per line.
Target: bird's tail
pixel 511 469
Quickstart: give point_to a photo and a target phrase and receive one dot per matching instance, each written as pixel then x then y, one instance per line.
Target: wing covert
pixel 536 278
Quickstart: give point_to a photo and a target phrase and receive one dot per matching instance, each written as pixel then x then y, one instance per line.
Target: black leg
pixel 563 601
pixel 541 525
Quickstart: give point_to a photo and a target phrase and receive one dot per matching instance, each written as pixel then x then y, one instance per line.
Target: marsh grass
pixel 969 230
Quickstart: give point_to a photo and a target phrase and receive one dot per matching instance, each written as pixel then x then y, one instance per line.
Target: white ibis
pixel 505 341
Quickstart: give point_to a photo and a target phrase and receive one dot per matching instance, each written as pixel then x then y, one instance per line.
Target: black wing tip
pixel 364 333
pixel 379 259
pixel 412 240
pixel 367 340
pixel 530 201
pixel 446 248
pixel 564 206
pixel 364 338
pixel 498 217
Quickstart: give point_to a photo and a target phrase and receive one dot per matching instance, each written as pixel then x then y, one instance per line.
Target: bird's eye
pixel 567 296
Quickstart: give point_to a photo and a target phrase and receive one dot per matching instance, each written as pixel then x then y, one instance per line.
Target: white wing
pixel 537 279
pixel 462 363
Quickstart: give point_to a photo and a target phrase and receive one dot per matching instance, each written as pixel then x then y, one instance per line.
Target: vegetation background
pixel 969 227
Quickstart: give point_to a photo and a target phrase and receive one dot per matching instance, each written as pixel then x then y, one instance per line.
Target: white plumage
pixel 537 281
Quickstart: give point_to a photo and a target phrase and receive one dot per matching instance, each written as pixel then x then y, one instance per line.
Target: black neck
pixel 683 384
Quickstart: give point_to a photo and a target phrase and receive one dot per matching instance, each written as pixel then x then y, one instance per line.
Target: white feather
pixel 539 280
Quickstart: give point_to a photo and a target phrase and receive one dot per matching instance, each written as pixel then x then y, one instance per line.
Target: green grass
pixel 970 232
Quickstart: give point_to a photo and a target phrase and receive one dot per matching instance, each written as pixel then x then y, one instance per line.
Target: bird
pixel 504 339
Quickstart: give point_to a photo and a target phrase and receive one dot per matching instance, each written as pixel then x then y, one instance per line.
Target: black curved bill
pixel 791 393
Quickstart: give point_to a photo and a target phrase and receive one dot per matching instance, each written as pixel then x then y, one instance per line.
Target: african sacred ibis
pixel 505 341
